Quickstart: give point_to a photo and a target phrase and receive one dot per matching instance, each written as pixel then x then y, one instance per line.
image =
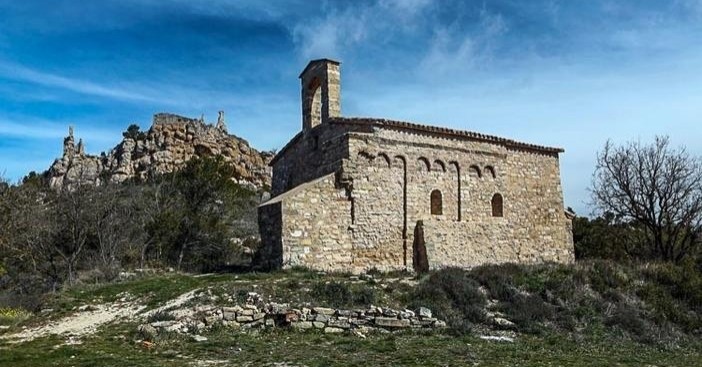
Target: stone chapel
pixel 353 194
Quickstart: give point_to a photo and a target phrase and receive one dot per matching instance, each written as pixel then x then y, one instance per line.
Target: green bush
pixel 334 294
pixel 452 296
pixel 629 319
pixel 674 295
pixel 606 275
pixel 498 280
pixel 528 311
pixel 13 316
pixel 364 296
pixel 160 316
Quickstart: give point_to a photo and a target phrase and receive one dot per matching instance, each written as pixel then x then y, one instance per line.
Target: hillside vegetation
pixel 598 310
pixel 83 269
pixel 196 219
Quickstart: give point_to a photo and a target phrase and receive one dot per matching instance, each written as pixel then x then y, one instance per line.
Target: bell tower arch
pixel 321 92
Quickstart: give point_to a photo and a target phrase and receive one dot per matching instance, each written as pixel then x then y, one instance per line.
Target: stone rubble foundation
pixel 259 315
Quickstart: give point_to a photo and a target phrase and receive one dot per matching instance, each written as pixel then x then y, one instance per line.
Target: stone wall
pixel 383 188
pixel 313 230
pixel 395 172
pixel 255 314
pixel 309 155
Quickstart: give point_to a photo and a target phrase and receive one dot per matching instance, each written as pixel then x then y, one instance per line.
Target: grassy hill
pixel 588 314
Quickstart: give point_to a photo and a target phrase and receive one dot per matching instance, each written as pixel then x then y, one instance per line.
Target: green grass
pixel 589 314
pixel 115 347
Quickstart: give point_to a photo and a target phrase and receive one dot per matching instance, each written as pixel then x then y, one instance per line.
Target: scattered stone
pixel 407 314
pixel 199 338
pixel 246 312
pixel 147 332
pixel 163 324
pixel 229 316
pixel 497 338
pixel 359 334
pixel 503 323
pixel 242 319
pixel 303 325
pixel 424 312
pixel 333 330
pixel 232 324
pixel 324 311
pixel 391 322
pixel 321 318
pixel 439 324
pixel 342 324
pixel 211 320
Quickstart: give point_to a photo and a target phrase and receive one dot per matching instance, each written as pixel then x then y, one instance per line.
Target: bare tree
pixel 111 216
pixel 655 188
pixel 28 232
pixel 73 212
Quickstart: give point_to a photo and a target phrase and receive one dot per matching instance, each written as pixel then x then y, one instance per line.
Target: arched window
pixel 497 205
pixel 436 203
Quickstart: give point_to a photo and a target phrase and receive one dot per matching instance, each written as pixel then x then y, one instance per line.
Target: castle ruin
pixel 353 194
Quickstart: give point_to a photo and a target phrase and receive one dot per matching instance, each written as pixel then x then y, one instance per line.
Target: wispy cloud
pixel 26 74
pixel 454 49
pixel 40 129
pixel 552 72
pixel 341 29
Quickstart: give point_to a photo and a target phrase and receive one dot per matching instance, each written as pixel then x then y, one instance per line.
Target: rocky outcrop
pixel 171 141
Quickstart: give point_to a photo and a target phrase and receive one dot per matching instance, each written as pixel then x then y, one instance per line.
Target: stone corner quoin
pixel 355 194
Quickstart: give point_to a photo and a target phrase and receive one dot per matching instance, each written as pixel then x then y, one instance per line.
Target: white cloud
pixel 39 129
pixel 340 29
pixel 22 73
pixel 455 50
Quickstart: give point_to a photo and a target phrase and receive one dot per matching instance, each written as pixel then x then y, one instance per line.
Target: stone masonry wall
pixel 364 216
pixel 314 226
pixel 309 155
pixel 533 228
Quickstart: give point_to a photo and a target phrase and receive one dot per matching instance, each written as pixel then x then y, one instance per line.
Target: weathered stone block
pixel 302 325
pixel 324 311
pixel 391 322
pixel 243 319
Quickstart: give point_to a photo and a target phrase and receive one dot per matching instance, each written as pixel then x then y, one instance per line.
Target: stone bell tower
pixel 321 92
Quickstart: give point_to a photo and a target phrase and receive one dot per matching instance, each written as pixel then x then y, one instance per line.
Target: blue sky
pixel 564 73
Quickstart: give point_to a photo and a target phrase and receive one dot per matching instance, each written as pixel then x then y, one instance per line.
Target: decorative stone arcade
pixel 354 194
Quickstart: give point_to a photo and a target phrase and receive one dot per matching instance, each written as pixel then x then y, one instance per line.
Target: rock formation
pixel 171 141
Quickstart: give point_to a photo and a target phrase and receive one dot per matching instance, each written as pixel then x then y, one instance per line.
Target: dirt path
pixel 80 324
pixel 87 322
